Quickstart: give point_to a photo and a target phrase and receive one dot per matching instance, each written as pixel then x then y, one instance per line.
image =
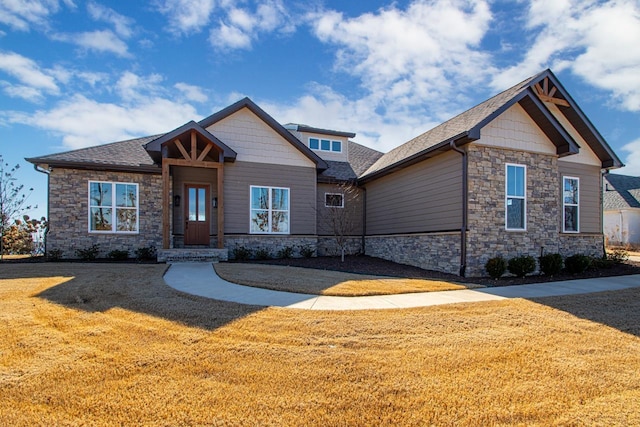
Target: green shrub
pixel 241 253
pixel 286 252
pixel 307 251
pixel 146 253
pixel 576 264
pixel 601 263
pixel 54 255
pixel 88 254
pixel 551 264
pixel 263 253
pixel 496 267
pixel 522 265
pixel 118 255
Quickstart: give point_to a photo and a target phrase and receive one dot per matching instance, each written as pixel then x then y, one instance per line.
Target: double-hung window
pixel 515 197
pixel 570 204
pixel 113 207
pixel 269 210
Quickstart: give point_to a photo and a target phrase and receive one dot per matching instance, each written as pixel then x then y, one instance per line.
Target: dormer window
pixel 320 144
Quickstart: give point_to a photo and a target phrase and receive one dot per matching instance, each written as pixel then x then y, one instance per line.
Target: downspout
pixel 364 220
pixel 465 197
pixel 46 230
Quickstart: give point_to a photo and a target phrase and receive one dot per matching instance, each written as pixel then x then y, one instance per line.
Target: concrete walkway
pixel 201 279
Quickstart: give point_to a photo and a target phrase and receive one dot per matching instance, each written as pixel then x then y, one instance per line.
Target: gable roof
pixel 270 121
pixel 123 155
pixel 466 127
pixel 621 192
pixel 156 145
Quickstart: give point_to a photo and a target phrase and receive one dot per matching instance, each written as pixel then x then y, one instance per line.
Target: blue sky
pixel 79 73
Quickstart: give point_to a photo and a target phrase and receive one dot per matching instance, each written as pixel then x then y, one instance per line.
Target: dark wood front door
pixel 197 222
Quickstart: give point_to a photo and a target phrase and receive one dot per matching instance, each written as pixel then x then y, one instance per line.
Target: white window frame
pixel 507 197
pixel 577 206
pixel 270 210
pixel 331 141
pixel 114 208
pixel 326 205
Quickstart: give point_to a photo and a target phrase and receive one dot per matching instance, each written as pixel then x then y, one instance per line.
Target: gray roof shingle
pixel 621 192
pixel 129 153
pixel 360 159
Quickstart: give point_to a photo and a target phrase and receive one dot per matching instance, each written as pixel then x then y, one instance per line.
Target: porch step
pixel 192 255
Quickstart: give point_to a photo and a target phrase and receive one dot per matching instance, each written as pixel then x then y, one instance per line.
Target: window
pixel 571 204
pixel 325 145
pixel 113 207
pixel 333 200
pixel 269 210
pixel 515 198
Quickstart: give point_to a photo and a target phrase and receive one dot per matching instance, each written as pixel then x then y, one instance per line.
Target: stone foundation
pixel 589 244
pixel 272 244
pixel 433 251
pixel 327 246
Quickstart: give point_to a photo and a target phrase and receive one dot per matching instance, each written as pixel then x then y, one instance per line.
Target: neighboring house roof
pixel 122 155
pixel 621 192
pixel 270 121
pixel 466 128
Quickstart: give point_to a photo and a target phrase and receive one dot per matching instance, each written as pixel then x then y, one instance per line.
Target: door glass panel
pixel 202 206
pixel 192 204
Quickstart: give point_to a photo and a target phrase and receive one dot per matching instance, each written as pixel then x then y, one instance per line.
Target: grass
pixel 323 282
pixel 100 344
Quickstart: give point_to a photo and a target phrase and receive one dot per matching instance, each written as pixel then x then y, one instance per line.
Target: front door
pixel 197 224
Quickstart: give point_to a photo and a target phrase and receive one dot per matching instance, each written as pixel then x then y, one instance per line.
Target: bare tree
pixel 13 199
pixel 338 215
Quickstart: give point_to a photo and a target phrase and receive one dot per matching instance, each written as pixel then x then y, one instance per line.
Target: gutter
pixel 465 200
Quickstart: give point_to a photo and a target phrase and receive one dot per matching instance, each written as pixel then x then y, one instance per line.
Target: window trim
pixel 113 207
pixel 334 194
pixel 577 205
pixel 270 210
pixel 331 142
pixel 507 197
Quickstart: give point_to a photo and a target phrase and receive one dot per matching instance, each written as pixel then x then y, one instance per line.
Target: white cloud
pixel 27 72
pixel 24 92
pixel 632 160
pixel 186 16
pixel 22 15
pixel 596 41
pixel 121 24
pixel 242 26
pixel 191 93
pixel 407 60
pixel 132 87
pixel 102 41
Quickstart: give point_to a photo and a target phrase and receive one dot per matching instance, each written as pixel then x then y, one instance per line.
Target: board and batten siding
pixel 240 176
pixel 590 194
pixel 425 197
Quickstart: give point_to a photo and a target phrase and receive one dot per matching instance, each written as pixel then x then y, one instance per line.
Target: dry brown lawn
pixel 326 282
pixel 104 344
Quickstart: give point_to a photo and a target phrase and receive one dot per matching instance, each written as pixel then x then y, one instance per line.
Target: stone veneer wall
pixel 327 246
pixel 271 243
pixel 487 236
pixel 69 212
pixel 431 251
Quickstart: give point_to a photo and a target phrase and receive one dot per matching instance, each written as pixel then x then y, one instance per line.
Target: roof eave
pixel 47 163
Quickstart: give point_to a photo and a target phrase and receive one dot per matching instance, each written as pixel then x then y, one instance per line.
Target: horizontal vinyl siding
pixel 350 215
pixel 590 193
pixel 301 181
pixel 425 197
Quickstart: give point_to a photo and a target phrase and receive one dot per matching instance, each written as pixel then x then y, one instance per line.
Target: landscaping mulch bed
pixel 363 264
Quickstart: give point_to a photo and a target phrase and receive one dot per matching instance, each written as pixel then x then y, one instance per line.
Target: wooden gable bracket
pixel 546 95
